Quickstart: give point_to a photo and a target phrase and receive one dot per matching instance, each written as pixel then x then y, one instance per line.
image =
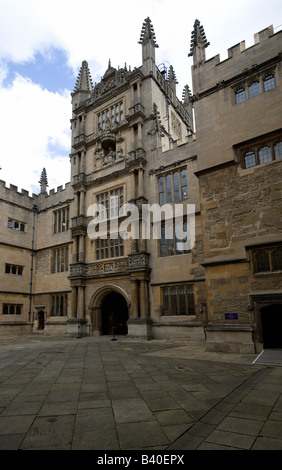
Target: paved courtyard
pixel 97 394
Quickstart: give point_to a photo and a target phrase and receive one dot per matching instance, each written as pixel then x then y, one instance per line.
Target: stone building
pixel 100 257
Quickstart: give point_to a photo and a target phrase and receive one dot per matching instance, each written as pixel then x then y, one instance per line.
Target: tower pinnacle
pixel 43 182
pixel 147 33
pixel 84 80
pixel 198 43
pixel 148 41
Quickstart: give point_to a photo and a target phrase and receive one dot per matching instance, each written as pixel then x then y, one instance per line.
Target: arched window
pixel 269 82
pixel 278 150
pixel 265 154
pixel 254 89
pixel 240 95
pixel 250 159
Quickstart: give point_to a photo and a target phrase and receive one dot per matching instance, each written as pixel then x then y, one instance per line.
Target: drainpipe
pixel 31 266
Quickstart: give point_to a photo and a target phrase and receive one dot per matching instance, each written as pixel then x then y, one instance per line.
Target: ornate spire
pixel 84 80
pixel 198 43
pixel 43 182
pixel 186 94
pixel 147 33
pixel 148 41
pixel 188 105
pixel 172 78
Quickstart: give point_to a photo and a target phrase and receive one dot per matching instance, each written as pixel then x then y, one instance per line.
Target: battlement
pixel 42 201
pixel 11 193
pixel 267 44
pixel 56 196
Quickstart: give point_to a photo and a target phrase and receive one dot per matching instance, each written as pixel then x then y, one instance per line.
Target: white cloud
pixel 32 117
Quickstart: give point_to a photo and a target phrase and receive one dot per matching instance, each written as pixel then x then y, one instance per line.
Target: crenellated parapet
pixel 13 196
pixel 213 73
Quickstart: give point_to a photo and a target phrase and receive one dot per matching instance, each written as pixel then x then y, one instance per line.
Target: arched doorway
pixel 271 321
pixel 114 312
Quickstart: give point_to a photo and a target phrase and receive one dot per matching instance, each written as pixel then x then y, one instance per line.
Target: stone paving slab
pixel 94 394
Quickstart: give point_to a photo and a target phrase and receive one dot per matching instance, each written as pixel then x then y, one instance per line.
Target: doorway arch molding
pixel 95 305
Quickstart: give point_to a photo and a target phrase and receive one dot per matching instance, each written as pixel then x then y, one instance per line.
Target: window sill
pixel 267 273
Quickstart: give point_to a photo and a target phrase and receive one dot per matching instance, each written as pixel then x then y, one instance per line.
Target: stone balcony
pixel 118 266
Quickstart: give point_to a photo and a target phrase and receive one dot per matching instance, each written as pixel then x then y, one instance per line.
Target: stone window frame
pixel 109 247
pixel 174 302
pixel 245 85
pixel 59 304
pixel 12 309
pixel 61 219
pixel 108 200
pixel 168 246
pixel 60 259
pixel 13 269
pixel 182 197
pixel 16 225
pixel 264 260
pixel 114 113
pixel 255 150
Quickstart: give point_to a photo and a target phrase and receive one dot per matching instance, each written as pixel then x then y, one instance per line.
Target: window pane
pixel 170 239
pixel 277 259
pixel 184 188
pixel 176 187
pixel 182 304
pixel 163 242
pixel 161 191
pixel 269 82
pixel 278 150
pixel 240 95
pixel 265 154
pixel 250 159
pixel 254 89
pixel 262 261
pixel 18 310
pixel 173 301
pixel 165 302
pixel 168 189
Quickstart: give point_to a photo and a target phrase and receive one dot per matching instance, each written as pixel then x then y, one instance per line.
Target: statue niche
pixel 106 147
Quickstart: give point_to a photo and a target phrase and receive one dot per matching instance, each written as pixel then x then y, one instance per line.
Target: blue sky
pixel 50 71
pixel 42 46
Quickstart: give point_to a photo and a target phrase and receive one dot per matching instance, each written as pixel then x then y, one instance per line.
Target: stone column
pixel 143 299
pixel 75 250
pixel 82 202
pixel 82 163
pixel 81 255
pixel 138 92
pixel 139 143
pixel 76 204
pixel 132 139
pixel 74 302
pixel 132 95
pixel 134 299
pixel 131 195
pixel 140 182
pixel 80 302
